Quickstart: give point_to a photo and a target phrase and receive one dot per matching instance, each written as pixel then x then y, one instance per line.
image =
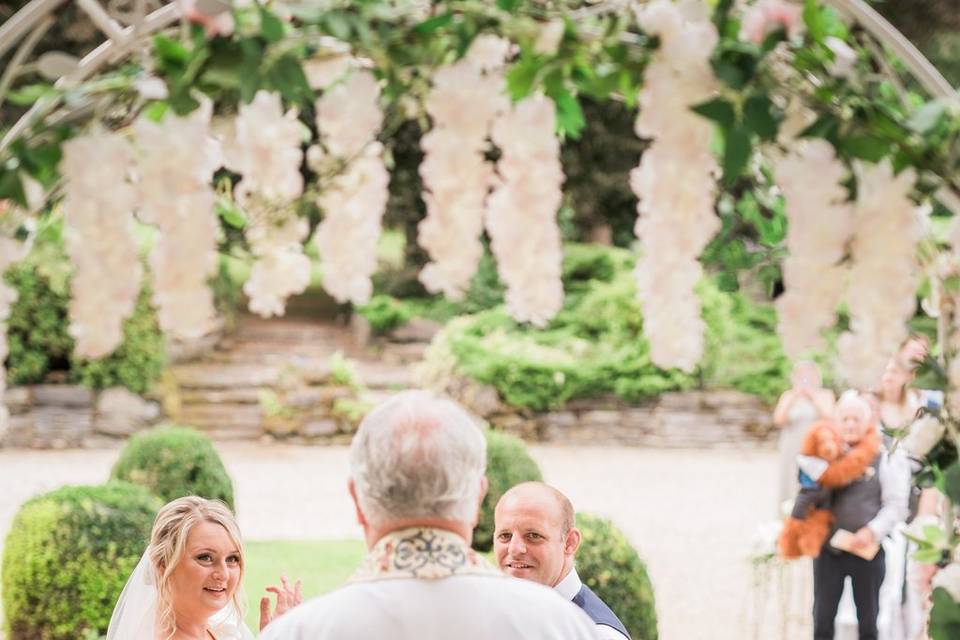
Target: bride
pixel 187 584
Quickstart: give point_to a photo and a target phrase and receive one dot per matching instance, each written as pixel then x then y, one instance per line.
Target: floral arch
pixel 198 114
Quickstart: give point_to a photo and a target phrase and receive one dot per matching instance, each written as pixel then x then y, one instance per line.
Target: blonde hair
pixel 168 542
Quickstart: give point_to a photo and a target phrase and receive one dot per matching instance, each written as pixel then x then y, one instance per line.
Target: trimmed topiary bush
pixel 608 564
pixel 173 462
pixel 508 464
pixel 67 557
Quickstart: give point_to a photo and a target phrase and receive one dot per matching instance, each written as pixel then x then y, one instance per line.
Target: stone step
pixel 224 376
pixel 222 416
pixel 239 395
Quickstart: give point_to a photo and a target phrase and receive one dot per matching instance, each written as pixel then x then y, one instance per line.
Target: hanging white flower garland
pixel 177 159
pixel 884 275
pixel 522 210
pixel 353 203
pixel 819 226
pixel 265 149
pixel 675 181
pixel 98 208
pixel 466 98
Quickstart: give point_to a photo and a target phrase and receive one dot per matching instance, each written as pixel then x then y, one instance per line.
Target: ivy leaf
pixel 570 119
pixel 760 118
pixel 736 154
pixel 951 482
pixel 271 27
pixel 718 110
pixel 945 616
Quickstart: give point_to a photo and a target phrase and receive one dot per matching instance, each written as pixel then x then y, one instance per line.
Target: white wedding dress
pixel 134 617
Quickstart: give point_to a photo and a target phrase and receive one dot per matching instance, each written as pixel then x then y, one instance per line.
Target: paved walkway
pixel 691 513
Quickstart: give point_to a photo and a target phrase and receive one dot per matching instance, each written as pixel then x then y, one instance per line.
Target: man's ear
pixel 361 519
pixel 572 542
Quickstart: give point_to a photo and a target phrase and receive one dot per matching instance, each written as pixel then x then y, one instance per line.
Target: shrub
pixel 385 313
pixel 508 464
pixel 611 567
pixel 37 329
pixel 173 462
pixel 595 345
pixel 67 557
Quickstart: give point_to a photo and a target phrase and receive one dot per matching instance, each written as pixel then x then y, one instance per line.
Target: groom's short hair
pixel 418 455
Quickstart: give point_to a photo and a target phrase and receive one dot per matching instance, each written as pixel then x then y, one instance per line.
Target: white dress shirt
pixel 569 587
pixel 468 607
pixel 894 472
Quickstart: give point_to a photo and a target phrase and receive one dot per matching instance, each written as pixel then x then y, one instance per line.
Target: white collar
pixel 570 586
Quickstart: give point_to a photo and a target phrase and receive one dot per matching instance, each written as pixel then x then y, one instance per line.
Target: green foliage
pixel 508 464
pixel 385 313
pixel 611 567
pixel 39 340
pixel 595 346
pixel 173 462
pixel 67 557
pixel 945 616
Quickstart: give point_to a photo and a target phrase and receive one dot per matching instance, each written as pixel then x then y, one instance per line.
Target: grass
pixel 322 565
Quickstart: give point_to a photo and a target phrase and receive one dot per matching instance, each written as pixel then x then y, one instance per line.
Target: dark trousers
pixel 829 571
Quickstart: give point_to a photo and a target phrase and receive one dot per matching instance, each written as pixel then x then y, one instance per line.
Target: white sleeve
pixel 894 494
pixel 606 632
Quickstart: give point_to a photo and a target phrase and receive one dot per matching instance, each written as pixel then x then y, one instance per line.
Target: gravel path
pixel 690 513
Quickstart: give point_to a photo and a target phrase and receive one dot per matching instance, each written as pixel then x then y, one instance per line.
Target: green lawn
pixel 321 564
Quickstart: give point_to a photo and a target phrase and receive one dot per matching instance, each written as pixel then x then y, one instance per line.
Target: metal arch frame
pixel 119 40
pixel 118 43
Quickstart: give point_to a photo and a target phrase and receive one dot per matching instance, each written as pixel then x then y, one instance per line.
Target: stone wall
pixel 58 416
pixel 700 419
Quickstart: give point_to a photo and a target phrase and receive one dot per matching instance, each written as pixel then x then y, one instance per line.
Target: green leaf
pixel 287 77
pixel 718 110
pixel 11 188
pixel 271 27
pixel 250 69
pixel 951 482
pixel 508 5
pixel 27 95
pixel 156 110
pixel 523 76
pixel 338 25
pixel 570 119
pixel 436 22
pixel 928 556
pixel 736 154
pixel 814 20
pixel 172 57
pixel 826 126
pixel 945 616
pixel 760 117
pixel 230 214
pixel 866 147
pixel 730 74
pixel 934 534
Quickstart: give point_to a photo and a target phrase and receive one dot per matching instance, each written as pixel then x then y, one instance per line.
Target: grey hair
pixel 418 455
pixel 853 398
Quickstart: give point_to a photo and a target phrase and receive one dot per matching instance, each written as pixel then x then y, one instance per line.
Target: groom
pixel 417 479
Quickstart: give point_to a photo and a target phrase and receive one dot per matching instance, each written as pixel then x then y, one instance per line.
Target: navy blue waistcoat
pixel 597 609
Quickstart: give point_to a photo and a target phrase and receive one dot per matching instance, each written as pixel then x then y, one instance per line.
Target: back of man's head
pixel 417 455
